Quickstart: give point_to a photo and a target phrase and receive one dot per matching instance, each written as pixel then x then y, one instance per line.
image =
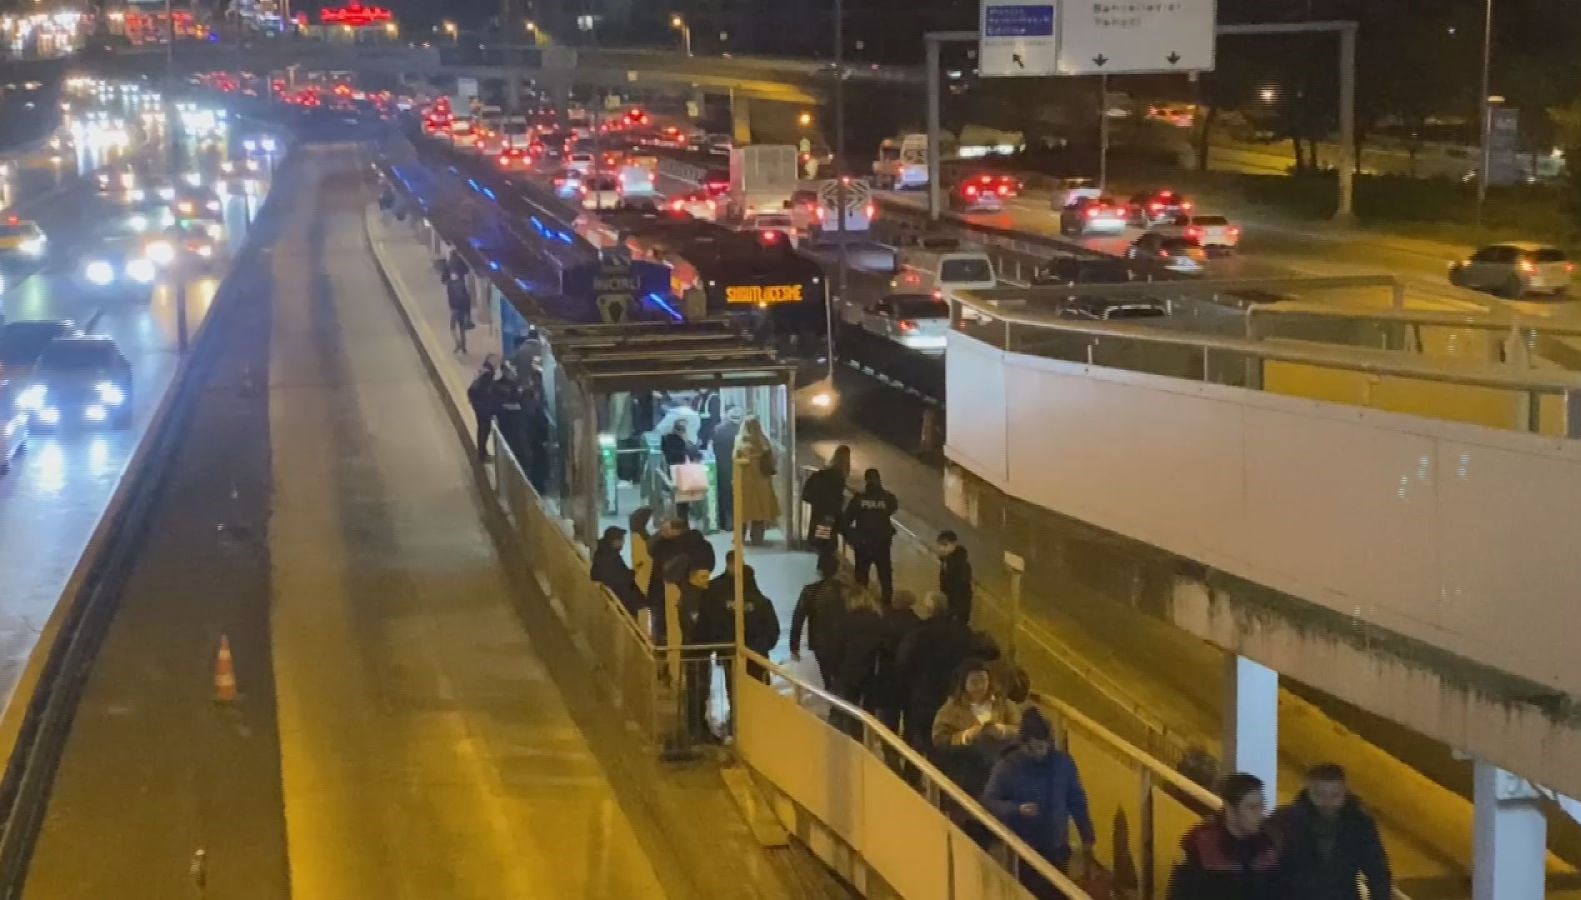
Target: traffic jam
pixel 144 229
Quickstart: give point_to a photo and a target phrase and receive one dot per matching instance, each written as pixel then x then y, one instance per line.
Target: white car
pixel 915 321
pixel 697 204
pixel 1067 191
pixel 1212 232
pixel 580 161
pixel 1515 269
pixel 772 226
pixel 600 192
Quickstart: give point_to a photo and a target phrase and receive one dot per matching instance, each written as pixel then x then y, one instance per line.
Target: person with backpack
pixel 824 494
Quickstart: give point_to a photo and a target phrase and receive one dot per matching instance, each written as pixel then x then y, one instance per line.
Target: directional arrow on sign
pixel 1173 57
pixel 1100 59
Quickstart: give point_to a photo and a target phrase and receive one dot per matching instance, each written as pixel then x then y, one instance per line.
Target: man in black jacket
pixel 484 400
pixel 1327 840
pixel 955 575
pixel 824 494
pixel 724 446
pixel 1231 855
pixel 927 664
pixel 821 610
pixel 867 526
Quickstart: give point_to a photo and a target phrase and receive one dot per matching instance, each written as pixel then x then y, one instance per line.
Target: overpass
pixel 1390 528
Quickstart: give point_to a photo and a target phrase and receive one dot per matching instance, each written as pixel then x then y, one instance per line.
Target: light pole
pixel 842 267
pixel 679 24
pixel 1484 110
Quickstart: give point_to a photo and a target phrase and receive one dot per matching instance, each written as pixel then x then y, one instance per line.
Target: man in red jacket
pixel 1231 856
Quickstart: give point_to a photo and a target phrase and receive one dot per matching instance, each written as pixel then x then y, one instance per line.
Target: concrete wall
pixel 1456 536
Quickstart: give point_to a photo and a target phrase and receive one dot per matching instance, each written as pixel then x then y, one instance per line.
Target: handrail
pixel 1487 321
pixel 1025 854
pixel 1136 754
pixel 1365 360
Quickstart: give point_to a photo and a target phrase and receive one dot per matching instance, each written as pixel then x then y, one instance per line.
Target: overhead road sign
pixel 1018 39
pixel 1119 37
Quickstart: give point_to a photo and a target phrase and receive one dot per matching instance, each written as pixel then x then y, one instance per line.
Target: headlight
pixel 205 250
pixel 227 167
pixel 135 195
pixel 100 272
pixel 31 397
pixel 94 412
pixel 167 193
pixel 141 271
pixel 194 179
pixel 138 222
pixel 49 415
pixel 32 246
pixel 128 180
pixel 110 393
pixel 160 252
pixel 212 206
pixel 267 144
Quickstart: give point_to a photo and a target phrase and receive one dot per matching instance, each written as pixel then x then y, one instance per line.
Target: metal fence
pixel 667 692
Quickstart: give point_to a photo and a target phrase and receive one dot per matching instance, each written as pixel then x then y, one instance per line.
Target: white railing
pixel 883 801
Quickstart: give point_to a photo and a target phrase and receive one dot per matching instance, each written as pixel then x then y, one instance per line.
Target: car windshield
pixel 772 222
pixel 1547 255
pixel 920 306
pixel 1179 244
pixel 602 184
pixel 24 341
pixel 1210 220
pixel 966 270
pixel 1133 312
pixel 67 355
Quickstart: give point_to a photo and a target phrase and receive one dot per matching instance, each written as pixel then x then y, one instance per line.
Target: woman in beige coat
pixel 759 505
pixel 973 728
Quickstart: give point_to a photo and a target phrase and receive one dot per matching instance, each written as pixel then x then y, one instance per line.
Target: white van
pixel 943 271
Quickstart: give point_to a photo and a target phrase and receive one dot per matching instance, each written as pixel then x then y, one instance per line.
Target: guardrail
pixel 37 719
pixel 1238 362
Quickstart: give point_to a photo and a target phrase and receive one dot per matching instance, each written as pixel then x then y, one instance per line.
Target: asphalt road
pixel 398 729
pixel 51 499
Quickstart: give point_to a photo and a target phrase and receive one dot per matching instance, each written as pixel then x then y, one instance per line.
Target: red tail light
pixel 906 325
pixel 1194 232
pixel 1155 206
pixel 872 211
pixel 1528 266
pixel 971 190
pixel 1570 267
pixel 1185 204
pixel 1092 211
pixel 677 205
pixel 1235 230
pixel 1004 190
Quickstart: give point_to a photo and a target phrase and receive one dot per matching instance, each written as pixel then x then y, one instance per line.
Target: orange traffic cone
pixel 224 674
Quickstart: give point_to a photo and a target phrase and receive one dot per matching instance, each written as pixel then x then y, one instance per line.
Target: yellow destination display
pixel 763 293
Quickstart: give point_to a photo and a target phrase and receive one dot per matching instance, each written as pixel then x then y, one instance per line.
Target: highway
pixel 405 727
pixel 51 500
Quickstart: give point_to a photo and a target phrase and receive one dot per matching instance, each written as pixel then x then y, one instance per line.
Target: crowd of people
pixel 917 666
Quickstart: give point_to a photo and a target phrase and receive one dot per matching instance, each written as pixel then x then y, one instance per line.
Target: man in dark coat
pixel 665 548
pixel 824 494
pixel 821 611
pixel 1231 855
pixel 927 663
pixel 867 526
pixel 889 690
pixel 481 395
pixel 955 575
pixel 609 569
pixel 724 446
pixel 1327 840
pixel 1035 790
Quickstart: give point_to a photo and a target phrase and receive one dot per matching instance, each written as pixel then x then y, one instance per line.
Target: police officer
pixel 868 528
pixel 510 411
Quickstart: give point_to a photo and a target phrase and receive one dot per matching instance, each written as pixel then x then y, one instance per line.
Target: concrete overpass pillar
pixel 1510 841
pixel 740 119
pixel 1251 721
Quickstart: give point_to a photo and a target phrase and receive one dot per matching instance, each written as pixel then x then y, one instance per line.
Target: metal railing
pixel 665 691
pixel 1545 402
pixel 913 826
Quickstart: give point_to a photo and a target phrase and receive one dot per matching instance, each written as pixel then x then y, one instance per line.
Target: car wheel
pixel 1456 278
pixel 1512 289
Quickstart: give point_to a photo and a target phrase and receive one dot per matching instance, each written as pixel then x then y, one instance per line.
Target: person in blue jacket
pixel 1035 790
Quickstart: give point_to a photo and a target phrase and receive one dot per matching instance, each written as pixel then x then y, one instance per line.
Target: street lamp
pixel 679 24
pixel 449 27
pixel 1484 109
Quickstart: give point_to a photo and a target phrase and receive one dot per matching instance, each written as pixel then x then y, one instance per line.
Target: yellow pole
pixel 738 543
